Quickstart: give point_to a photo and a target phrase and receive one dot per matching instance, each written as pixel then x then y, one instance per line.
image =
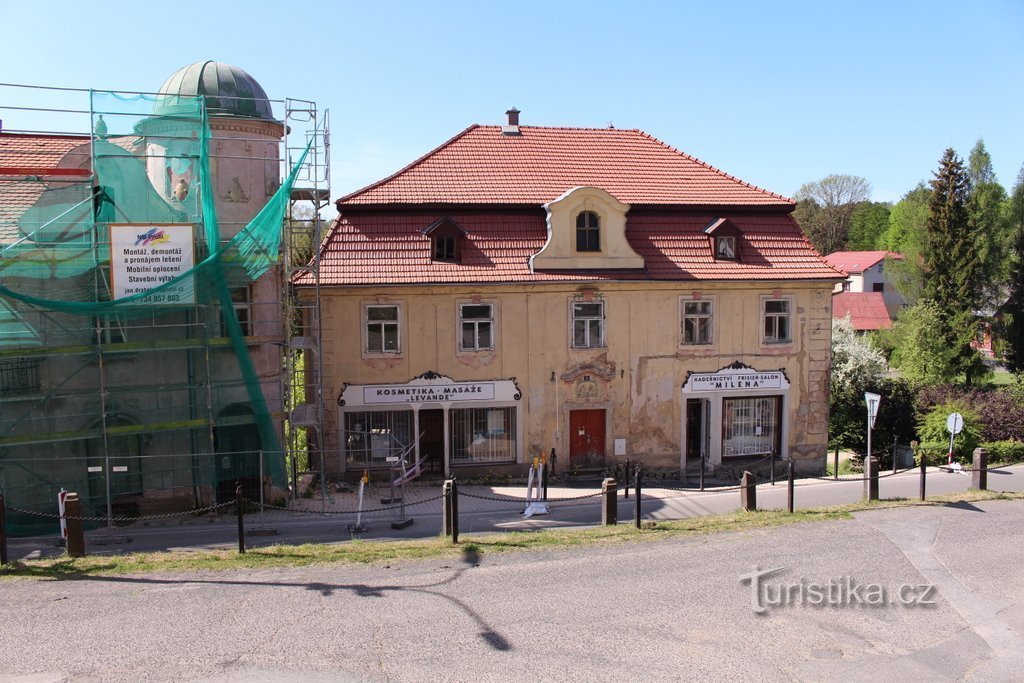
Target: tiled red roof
pixel 24 154
pixel 855 262
pixel 373 248
pixel 29 164
pixel 483 166
pixel 867 310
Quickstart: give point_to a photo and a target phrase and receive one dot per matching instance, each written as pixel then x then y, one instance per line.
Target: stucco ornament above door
pixel 606 219
pixel 590 381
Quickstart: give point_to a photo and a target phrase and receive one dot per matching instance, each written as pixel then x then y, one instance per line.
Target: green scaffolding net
pixel 120 316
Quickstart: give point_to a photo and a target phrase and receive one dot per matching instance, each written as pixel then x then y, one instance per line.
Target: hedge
pixel 936 453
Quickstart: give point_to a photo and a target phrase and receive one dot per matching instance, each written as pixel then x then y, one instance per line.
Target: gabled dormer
pixel 586 231
pixel 446 238
pixel 724 239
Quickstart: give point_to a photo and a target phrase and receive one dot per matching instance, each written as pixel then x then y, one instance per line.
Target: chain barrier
pixel 947 468
pixel 268 506
pixel 142 518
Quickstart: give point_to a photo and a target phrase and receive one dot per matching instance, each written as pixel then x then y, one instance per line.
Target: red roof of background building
pixel 376 248
pixel 29 164
pixel 481 165
pixel 855 262
pixel 867 310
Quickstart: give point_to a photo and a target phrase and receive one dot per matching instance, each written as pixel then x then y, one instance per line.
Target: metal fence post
pixel 455 510
pixel 979 473
pixel 871 478
pixel 789 489
pixel 446 516
pixel 610 508
pixel 637 512
pixel 835 470
pixel 748 492
pixel 772 465
pixel 895 445
pixel 3 530
pixel 238 513
pixel 701 471
pixel 923 468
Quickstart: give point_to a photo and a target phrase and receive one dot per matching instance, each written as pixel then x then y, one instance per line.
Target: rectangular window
pixel 241 301
pixel 725 248
pixel 370 438
pixel 777 321
pixel 445 248
pixel 878 287
pixel 750 426
pixel 477 322
pixel 482 435
pixel 19 375
pixel 697 321
pixel 382 329
pixel 588 325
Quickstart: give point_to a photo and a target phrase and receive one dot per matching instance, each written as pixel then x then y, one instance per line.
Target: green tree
pixel 920 350
pixel 952 266
pixel 826 206
pixel 905 235
pixel 867 224
pixel 988 212
pixel 1014 309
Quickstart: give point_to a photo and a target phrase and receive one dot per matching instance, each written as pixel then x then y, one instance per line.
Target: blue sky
pixel 777 94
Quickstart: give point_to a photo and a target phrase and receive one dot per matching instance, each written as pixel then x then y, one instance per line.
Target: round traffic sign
pixel 954 423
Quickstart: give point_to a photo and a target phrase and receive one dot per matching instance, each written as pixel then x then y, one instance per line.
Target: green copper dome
pixel 229 91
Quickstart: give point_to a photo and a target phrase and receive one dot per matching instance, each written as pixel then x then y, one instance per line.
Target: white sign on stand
pixel 872 401
pixel 143 257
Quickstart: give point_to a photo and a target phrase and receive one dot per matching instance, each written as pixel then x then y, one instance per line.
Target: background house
pixel 865 271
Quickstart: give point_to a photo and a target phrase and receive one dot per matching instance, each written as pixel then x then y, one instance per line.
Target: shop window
pixel 477 322
pixel 777 314
pixel 588 325
pixel 697 322
pixel 751 426
pixel 482 435
pixel 382 329
pixel 588 231
pixel 19 375
pixel 370 438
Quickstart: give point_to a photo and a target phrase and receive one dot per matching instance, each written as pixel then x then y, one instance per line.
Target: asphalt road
pixel 486 515
pixel 658 610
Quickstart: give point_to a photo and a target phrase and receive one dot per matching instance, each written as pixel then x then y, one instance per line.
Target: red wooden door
pixel 586 438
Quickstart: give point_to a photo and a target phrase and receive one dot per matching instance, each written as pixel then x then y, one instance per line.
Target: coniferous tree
pixel 986 209
pixel 952 272
pixel 1014 309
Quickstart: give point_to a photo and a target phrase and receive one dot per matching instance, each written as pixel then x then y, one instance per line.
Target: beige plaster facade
pixel 637 377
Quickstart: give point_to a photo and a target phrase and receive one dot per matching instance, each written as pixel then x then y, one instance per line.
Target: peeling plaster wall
pixel 638 374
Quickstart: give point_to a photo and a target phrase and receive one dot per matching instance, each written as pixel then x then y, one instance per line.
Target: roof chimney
pixel 513 123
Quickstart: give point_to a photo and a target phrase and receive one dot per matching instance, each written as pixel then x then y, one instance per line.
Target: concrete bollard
pixel 76 530
pixel 871 478
pixel 748 492
pixel 610 508
pixel 979 473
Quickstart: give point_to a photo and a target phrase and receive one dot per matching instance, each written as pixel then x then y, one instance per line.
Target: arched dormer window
pixel 588 231
pixel 446 238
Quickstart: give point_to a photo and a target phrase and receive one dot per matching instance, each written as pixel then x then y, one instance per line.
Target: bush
pixel 935 453
pixel 848 418
pixel 931 428
pixel 1004 451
